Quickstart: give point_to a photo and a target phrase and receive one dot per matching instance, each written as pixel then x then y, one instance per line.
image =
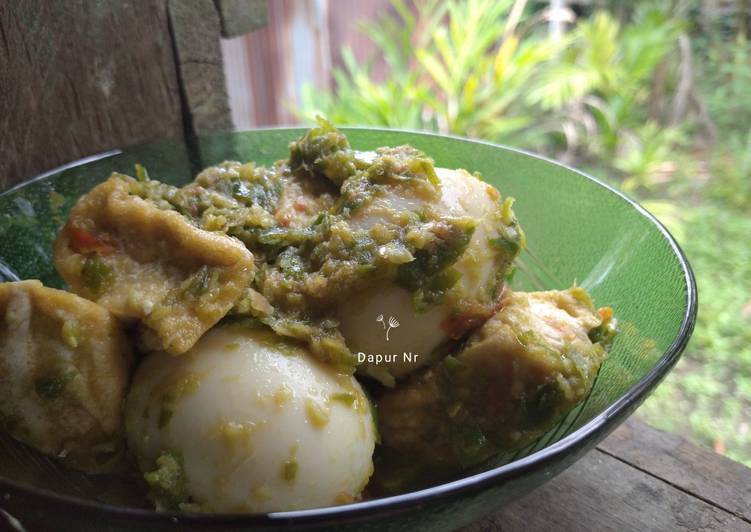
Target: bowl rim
pixel 594 430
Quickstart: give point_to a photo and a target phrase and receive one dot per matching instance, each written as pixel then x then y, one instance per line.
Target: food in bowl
pixel 286 319
pixel 249 421
pixel 64 371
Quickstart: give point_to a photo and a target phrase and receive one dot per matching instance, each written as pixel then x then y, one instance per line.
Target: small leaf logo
pixel 393 324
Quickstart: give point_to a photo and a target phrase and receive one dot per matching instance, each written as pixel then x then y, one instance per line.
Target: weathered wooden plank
pixel 81 78
pixel 291 50
pixel 346 21
pixel 704 474
pixel 196 32
pixel 241 16
pixel 299 45
pixel 600 493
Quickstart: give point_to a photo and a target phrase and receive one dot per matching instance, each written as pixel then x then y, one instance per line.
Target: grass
pixel 707 398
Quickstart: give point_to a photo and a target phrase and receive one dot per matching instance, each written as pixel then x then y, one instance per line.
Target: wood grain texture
pixel 241 16
pixel 196 31
pixel 77 78
pixel 300 44
pixel 704 474
pixel 676 486
pixel 291 49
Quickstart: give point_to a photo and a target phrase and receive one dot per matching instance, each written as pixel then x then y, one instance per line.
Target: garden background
pixel 653 97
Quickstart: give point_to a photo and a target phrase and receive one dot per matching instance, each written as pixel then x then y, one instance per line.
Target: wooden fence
pixel 301 43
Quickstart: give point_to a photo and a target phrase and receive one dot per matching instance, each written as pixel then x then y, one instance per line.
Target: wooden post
pixel 81 78
pixel 78 79
pixel 241 16
pixel 195 30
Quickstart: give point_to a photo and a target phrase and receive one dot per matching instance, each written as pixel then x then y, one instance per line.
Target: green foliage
pixel 645 154
pixel 708 396
pixel 731 170
pixel 467 76
pixel 725 86
pixel 360 100
pixel 485 68
pixel 397 102
pixel 598 89
pixel 725 82
pixel 602 98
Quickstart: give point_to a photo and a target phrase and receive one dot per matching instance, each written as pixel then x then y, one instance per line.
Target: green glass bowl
pixel 578 231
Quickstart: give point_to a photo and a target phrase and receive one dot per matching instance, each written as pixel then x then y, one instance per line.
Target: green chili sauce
pixel 306 267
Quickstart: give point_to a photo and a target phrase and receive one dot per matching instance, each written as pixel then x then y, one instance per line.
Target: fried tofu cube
pixel 64 370
pixel 143 261
pixel 518 375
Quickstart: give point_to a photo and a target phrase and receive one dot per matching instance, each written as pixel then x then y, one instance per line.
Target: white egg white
pixel 413 343
pixel 260 424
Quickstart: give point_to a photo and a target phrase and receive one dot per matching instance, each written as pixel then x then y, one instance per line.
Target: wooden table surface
pixel 638 479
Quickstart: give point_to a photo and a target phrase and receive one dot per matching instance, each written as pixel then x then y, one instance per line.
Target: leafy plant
pixel 731 170
pixel 645 154
pixel 484 68
pixel 456 67
pixel 724 84
pixel 725 81
pixel 708 396
pixel 597 90
pixel 602 97
pixel 397 102
pixel 360 100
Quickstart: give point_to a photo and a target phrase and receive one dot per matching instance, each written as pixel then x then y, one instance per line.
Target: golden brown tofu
pixel 151 264
pixel 64 365
pixel 519 374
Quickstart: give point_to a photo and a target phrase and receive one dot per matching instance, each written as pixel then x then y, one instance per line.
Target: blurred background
pixel 653 97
